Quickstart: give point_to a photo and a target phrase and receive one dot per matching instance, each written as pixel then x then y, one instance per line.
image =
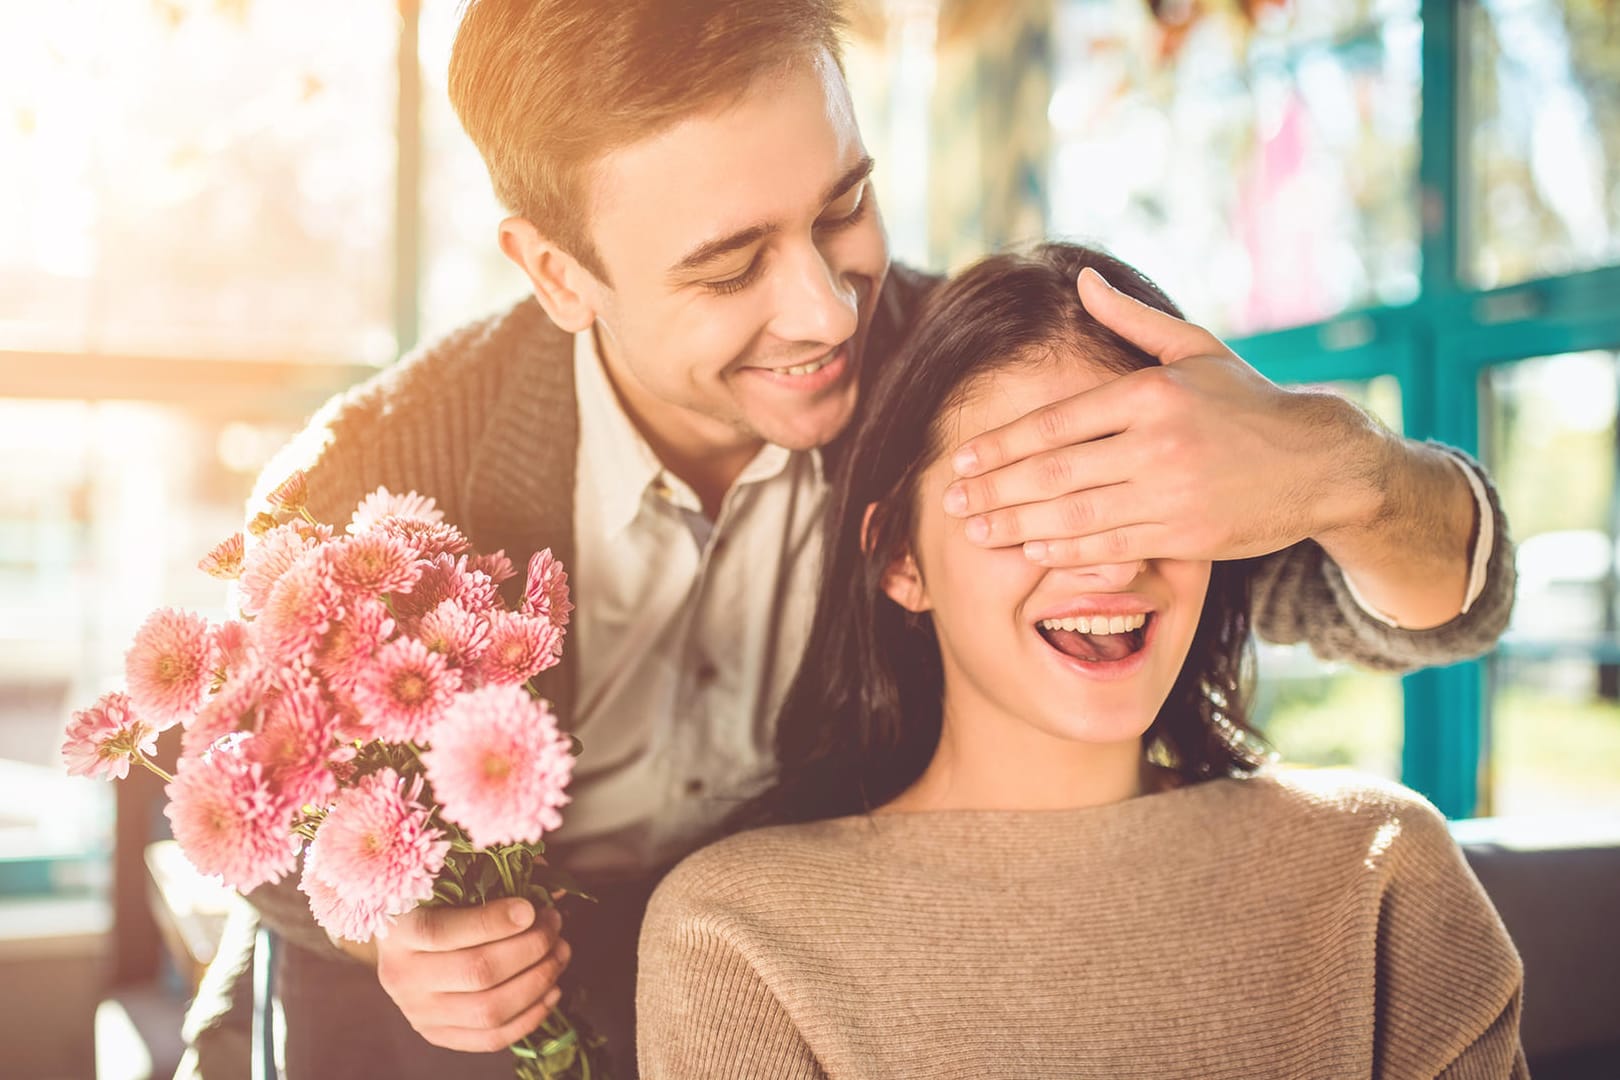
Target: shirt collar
pixel 623 466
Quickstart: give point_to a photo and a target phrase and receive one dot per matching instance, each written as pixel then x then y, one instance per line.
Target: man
pixel 692 205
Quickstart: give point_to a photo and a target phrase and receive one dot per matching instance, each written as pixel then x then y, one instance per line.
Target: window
pixel 1543 184
pixel 1264 172
pixel 1316 713
pixel 1554 704
pixel 174 171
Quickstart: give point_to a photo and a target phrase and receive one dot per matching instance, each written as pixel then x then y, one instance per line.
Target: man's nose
pixel 813 304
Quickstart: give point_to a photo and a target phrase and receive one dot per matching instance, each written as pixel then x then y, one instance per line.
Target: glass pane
pixel 1555 737
pixel 1263 169
pixel 104 510
pixel 1334 714
pixel 464 274
pixel 201 179
pixel 1550 440
pixel 1543 146
pixel 1315 713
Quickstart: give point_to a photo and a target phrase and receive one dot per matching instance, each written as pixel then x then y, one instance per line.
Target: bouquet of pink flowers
pixel 371 708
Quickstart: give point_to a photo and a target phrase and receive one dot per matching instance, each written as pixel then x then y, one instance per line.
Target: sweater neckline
pixel 1010 844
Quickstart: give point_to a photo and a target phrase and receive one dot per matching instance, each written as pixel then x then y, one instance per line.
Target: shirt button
pixel 694 786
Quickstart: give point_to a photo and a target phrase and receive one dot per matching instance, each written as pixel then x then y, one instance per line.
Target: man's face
pixel 745 254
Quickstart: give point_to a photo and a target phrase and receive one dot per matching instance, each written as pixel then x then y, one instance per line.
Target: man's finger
pixel 491 1009
pixel 1078 514
pixel 1092 414
pixel 1160 335
pixel 445 929
pixel 1129 543
pixel 483 967
pixel 1043 476
pixel 484 1040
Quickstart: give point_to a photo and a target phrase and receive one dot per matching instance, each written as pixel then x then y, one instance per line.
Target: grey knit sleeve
pixel 1299 594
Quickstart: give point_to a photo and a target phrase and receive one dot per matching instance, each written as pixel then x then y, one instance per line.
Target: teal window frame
pixel 1439 347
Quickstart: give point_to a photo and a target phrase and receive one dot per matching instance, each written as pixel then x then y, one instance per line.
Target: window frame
pixel 1440 347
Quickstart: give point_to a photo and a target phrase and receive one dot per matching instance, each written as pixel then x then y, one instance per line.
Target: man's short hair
pixel 546 87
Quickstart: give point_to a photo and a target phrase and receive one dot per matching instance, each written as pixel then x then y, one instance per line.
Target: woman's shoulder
pixel 757 870
pixel 1356 806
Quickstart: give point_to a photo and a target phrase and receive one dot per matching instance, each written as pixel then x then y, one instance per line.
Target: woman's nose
pixel 1107 577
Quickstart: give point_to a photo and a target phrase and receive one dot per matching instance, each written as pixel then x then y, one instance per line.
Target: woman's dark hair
pixel 862 718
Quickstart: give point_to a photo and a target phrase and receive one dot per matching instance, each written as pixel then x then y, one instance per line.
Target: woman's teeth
pixel 809 369
pixel 1098 624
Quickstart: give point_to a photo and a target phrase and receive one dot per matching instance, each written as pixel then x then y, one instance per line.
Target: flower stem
pixel 505 871
pixel 141 759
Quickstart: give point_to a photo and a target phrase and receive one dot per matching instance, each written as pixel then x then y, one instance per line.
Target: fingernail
pixel 1094 272
pixel 955 500
pixel 1035 549
pixel 978 530
pixel 965 461
pixel 521 914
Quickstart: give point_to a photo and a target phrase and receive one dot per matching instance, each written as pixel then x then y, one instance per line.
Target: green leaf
pixel 551 879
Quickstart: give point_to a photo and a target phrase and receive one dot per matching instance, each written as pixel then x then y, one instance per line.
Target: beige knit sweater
pixel 1293 924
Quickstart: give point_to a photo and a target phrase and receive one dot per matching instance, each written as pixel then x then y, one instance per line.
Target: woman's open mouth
pixel 1098 639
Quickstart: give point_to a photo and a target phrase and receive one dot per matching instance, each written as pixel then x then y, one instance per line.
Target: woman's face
pixel 1084 655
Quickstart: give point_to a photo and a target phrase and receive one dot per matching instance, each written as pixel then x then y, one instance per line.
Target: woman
pixel 1022 826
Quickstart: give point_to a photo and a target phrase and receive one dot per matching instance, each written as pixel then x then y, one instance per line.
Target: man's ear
pixel 565 289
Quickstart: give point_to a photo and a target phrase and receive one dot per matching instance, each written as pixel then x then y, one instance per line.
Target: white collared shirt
pixel 686 635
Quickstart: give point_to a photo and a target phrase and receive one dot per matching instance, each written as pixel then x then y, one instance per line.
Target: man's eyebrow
pixel 858 172
pixel 709 251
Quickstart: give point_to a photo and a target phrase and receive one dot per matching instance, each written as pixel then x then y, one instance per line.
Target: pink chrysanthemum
pixel 377 848
pixel 374 563
pixel 234 707
pixel 291 494
pixel 404 690
pixel 103 739
pixel 545 590
pixel 275 553
pixel 170 665
pixel 459 635
pixel 233 648
pixel 353 640
pixel 499 767
pixel 446 577
pixel 497 566
pixel 295 734
pixel 383 504
pixel 351 920
pixel 426 539
pixel 229 821
pixel 225 561
pixel 520 647
pixel 300 610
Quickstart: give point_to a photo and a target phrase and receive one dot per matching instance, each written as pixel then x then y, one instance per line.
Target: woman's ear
pixel 902 581
pixel 563 286
pixel 904 584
